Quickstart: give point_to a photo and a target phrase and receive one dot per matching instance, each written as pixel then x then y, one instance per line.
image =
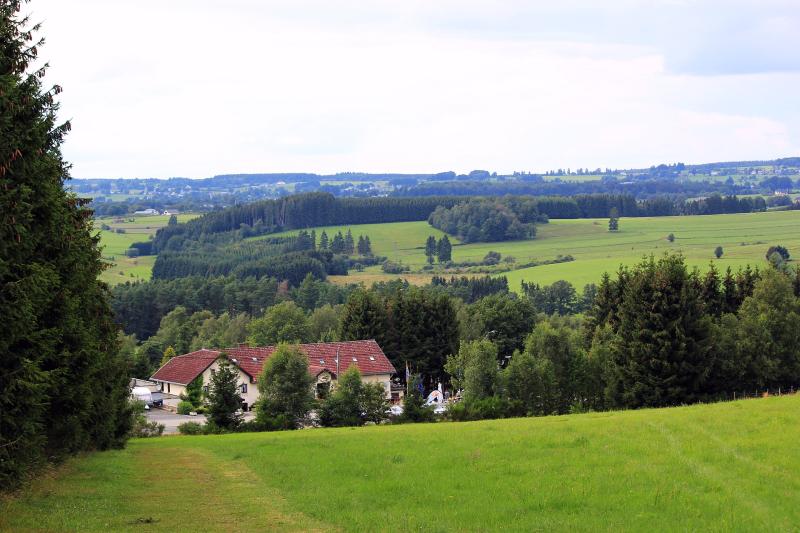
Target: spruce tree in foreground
pixel 63 386
pixel 223 398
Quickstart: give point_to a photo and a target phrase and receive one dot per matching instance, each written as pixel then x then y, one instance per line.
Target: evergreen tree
pixel 173 221
pixel 430 248
pixel 223 397
pixel 364 317
pixel 663 348
pixel 323 241
pixel 313 239
pixel 63 382
pixel 338 244
pixel 194 392
pixel 444 250
pixel 613 220
pixel 367 246
pixel 361 246
pixel 718 251
pixel 285 388
pixel 307 293
pixel 349 244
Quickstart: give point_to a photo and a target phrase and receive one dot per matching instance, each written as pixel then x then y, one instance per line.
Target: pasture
pixel 137 228
pixel 743 237
pixel 722 467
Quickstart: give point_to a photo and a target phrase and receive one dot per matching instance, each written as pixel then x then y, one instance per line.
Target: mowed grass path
pixel 744 238
pixel 723 467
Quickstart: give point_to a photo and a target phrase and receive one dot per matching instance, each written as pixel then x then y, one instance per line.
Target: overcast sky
pixel 160 88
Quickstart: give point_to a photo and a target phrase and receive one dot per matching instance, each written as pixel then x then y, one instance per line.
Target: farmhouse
pixel 325 362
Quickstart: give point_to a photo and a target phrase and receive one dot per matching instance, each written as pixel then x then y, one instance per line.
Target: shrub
pixel 390 267
pixel 132 252
pixel 671 237
pixel 185 407
pixel 141 427
pixel 191 428
pixel 484 409
pixel 784 253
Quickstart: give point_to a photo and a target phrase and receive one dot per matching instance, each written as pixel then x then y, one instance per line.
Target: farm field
pixel 137 229
pixel 744 238
pixel 721 467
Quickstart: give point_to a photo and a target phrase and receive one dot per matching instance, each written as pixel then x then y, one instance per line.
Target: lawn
pixel 744 238
pixel 137 229
pixel 727 467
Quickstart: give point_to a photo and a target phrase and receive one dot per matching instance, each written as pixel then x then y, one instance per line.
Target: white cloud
pixel 205 87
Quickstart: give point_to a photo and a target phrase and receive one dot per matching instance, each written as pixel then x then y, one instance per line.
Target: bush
pixel 185 407
pixel 784 253
pixel 390 267
pixel 191 428
pixel 143 428
pixel 483 409
pixel 132 252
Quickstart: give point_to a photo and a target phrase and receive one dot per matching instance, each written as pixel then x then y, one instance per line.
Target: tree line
pixel 484 220
pixel 309 210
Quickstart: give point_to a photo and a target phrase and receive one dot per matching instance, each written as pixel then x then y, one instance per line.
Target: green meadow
pixel 137 229
pixel 722 467
pixel 743 237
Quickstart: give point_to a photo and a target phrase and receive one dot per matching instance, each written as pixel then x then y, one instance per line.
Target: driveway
pixel 171 420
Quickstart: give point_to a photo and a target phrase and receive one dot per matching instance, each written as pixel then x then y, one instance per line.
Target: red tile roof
pixel 366 355
pixel 184 368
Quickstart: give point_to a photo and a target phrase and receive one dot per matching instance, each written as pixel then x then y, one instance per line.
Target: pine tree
pixel 59 339
pixel 338 245
pixel 173 221
pixel 367 246
pixel 223 397
pixel 444 250
pixel 364 317
pixel 430 248
pixel 313 239
pixel 613 220
pixel 323 241
pixel 360 247
pixel 349 244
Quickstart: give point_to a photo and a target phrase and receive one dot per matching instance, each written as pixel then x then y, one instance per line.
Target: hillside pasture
pixel 744 238
pixel 137 229
pixel 721 467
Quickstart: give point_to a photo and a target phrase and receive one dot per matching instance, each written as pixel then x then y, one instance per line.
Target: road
pixel 172 420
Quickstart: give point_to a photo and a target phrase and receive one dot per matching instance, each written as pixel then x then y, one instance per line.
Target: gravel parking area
pixel 171 420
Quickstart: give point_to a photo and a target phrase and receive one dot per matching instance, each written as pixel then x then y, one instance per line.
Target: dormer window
pixel 355 360
pixel 322 361
pixel 371 358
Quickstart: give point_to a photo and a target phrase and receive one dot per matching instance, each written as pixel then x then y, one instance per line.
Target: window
pixel 205 389
pixel 244 388
pixel 168 387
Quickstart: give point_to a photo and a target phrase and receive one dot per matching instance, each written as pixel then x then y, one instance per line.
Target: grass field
pixel 114 244
pixel 744 238
pixel 723 467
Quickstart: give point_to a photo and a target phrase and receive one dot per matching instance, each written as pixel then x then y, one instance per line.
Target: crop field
pixel 722 467
pixel 137 229
pixel 743 237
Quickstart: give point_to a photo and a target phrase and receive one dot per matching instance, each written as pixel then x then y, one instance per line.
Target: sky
pixel 195 88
